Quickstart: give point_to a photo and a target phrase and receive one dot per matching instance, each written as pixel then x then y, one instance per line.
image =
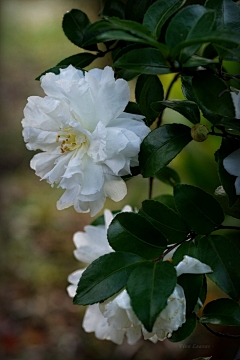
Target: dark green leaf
pixel 221 312
pixel 135 170
pixel 127 74
pixel 224 201
pixel 227 14
pixel 149 287
pixel 195 61
pixel 190 23
pixel 185 330
pixel 203 292
pixel 131 232
pixel 114 8
pixel 199 209
pixel 148 89
pixel 75 23
pixel 93 31
pixel 100 220
pixel 186 108
pixel 135 9
pixel 55 70
pixel 187 248
pixel 227 180
pixel 224 258
pixel 168 176
pixel 191 284
pixel 105 277
pixel 189 95
pixel 167 200
pixel 128 48
pixel 161 146
pixel 132 108
pixel 147 61
pixel 208 89
pixel 232 124
pixel 79 60
pixel 166 220
pixel 159 12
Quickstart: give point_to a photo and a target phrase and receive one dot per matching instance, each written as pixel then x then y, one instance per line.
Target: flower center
pixel 71 141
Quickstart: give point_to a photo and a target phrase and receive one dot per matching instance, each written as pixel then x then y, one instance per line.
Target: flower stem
pixel 150 187
pixel 160 115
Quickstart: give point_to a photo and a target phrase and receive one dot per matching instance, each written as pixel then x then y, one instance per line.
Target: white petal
pixel 237 185
pixel 134 334
pixel 190 265
pixel 72 289
pixel 236 103
pixel 232 163
pixel 115 188
pixel 74 277
pixel 108 217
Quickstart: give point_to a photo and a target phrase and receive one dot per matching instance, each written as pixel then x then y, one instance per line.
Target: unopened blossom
pixel 114 318
pixel 232 165
pixel 87 140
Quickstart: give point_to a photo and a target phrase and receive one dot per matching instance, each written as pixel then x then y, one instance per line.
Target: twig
pixel 160 115
pixel 150 187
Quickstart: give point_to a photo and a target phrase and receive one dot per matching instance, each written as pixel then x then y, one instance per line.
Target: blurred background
pixel 37 318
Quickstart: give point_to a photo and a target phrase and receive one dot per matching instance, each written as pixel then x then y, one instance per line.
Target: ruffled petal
pixel 190 265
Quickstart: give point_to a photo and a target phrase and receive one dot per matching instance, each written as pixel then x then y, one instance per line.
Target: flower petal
pixel 190 265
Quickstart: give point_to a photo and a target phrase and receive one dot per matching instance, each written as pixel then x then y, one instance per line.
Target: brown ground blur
pixel 37 318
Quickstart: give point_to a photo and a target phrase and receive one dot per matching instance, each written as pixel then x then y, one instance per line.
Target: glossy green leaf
pixel 132 108
pixel 166 220
pixel 105 277
pixel 188 109
pixel 187 90
pixel 131 232
pixel 229 124
pixel 148 89
pixel 149 287
pixel 75 23
pixel 199 209
pixel 223 256
pixel 187 248
pixel 192 285
pixel 79 60
pixel 128 48
pixel 195 61
pixel 203 291
pixel 185 330
pixel 227 14
pixel 190 23
pixel 127 74
pixel 55 70
pixel 161 146
pixel 135 9
pixel 227 180
pixel 147 61
pixel 113 8
pixel 168 176
pixel 135 170
pixel 168 200
pixel 221 312
pixel 159 12
pixel 93 31
pixel 208 89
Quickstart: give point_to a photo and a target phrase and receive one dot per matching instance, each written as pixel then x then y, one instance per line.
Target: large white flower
pixel 115 318
pixel 236 103
pixel 88 142
pixel 232 165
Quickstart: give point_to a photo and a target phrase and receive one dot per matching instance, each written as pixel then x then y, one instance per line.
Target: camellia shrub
pixel 147 267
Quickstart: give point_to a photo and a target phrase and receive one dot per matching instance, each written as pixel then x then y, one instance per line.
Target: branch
pixel 160 115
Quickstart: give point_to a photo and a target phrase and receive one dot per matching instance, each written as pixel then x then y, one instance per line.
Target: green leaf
pixel 79 60
pixel 148 89
pixel 191 284
pixel 229 124
pixel 221 312
pixel 131 232
pixel 55 70
pixel 105 277
pixel 190 23
pixel 227 14
pixel 166 220
pixel 203 292
pixel 199 209
pixel 223 200
pixel 187 248
pixel 93 31
pixel 168 176
pixel 149 287
pixel 127 74
pixel 161 146
pixel 185 330
pixel 113 8
pixel 100 220
pixel 208 89
pixel 128 48
pixel 135 9
pixel 195 61
pixel 188 109
pixel 168 200
pixel 132 108
pixel 135 170
pixel 224 258
pixel 189 95
pixel 158 13
pixel 75 23
pixel 227 180
pixel 215 37
pixel 147 61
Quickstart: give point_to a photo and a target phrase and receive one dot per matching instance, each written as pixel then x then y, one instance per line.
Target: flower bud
pixel 199 132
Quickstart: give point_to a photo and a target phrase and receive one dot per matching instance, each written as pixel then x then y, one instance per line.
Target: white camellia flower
pixel 232 165
pixel 115 318
pixel 236 103
pixel 88 142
